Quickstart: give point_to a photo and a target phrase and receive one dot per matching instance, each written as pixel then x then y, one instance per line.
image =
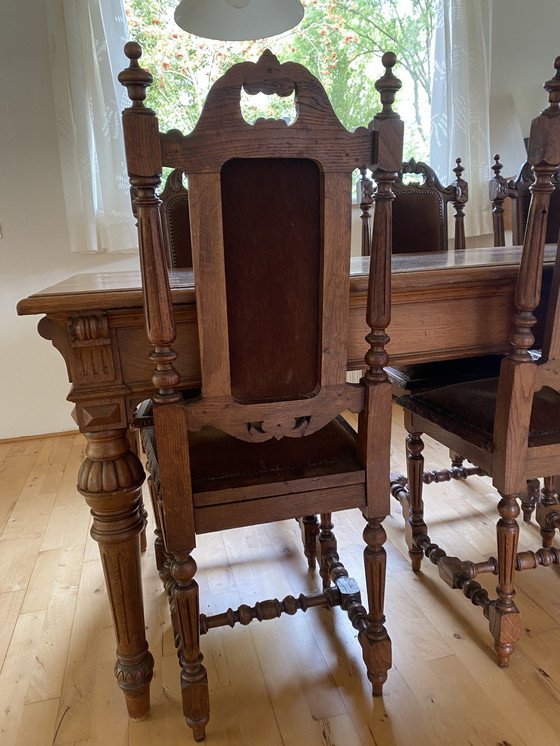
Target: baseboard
pixel 22 438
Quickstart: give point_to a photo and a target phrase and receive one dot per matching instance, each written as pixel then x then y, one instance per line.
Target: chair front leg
pixel 504 618
pixel 375 642
pixel 185 610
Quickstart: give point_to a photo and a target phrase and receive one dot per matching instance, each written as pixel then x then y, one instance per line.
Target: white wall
pixel 34 249
pixel 525 42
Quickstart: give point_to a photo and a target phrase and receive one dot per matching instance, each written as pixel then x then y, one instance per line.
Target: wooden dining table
pixel 444 305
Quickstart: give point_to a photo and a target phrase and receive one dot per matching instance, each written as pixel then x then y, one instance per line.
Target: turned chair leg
pixel 548 509
pixel 375 642
pixel 456 460
pixel 309 526
pixel 326 543
pixel 530 498
pixel 505 624
pixel 185 611
pixel 414 526
pixel 158 542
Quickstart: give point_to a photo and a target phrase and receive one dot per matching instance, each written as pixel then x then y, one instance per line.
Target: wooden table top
pixel 410 272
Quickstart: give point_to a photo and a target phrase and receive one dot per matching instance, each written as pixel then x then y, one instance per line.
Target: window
pixel 340 41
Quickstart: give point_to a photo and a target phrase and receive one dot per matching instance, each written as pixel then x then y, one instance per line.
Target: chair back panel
pixel 518 190
pixel 272 276
pixel 270 222
pixel 419 221
pixel 175 221
pixel 553 224
pixel 551 342
pixel 521 213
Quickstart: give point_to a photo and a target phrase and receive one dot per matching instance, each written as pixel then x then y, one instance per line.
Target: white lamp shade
pixel 238 20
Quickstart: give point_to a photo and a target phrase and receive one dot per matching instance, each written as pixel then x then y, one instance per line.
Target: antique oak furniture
pixel 96 322
pixel 509 425
pixel 420 223
pixel 518 192
pixel 420 210
pixel 269 211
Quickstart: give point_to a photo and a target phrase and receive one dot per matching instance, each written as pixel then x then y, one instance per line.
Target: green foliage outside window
pixel 340 41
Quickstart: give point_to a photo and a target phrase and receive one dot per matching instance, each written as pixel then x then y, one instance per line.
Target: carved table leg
pixel 110 480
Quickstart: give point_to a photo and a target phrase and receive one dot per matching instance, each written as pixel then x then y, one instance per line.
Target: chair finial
pixel 134 77
pixel 388 85
pixel 459 168
pixel 553 88
pixel 497 166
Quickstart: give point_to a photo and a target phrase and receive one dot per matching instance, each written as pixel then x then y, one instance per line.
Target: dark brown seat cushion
pixel 467 409
pixel 220 461
pixel 424 376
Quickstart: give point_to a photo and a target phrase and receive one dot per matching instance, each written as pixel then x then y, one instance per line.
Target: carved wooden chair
pixel 509 425
pixel 264 441
pixel 420 224
pixel 420 210
pixel 518 192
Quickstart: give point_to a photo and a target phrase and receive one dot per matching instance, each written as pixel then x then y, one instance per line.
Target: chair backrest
pixel 175 221
pixel 270 220
pixel 520 376
pixel 519 193
pixel 420 219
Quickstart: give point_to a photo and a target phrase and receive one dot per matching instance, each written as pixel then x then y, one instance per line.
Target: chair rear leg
pixel 309 526
pixel 326 543
pixel 456 460
pixel 503 614
pixel 530 498
pixel 548 510
pixel 415 528
pixel 186 615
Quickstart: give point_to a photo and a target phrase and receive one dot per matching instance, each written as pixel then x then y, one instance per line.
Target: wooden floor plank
pixel 16 672
pixel 285 682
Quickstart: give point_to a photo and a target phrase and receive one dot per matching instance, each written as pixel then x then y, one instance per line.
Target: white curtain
pixel 461 103
pixel 86 50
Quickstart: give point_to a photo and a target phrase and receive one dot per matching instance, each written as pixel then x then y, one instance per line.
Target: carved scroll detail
pixel 276 427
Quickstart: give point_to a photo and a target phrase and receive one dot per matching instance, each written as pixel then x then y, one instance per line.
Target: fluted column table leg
pixel 110 480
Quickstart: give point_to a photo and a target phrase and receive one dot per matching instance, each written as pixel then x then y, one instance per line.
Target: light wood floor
pixel 297 681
